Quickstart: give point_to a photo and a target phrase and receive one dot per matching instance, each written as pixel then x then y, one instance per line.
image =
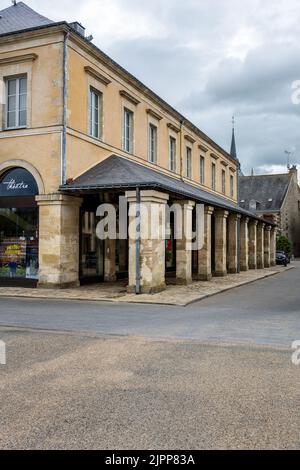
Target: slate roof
pixel 268 191
pixel 19 17
pixel 118 173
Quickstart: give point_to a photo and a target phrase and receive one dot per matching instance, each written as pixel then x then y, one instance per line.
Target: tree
pixel 284 244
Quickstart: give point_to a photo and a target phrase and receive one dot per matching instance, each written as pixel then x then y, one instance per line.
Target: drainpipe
pixel 239 222
pixel 138 241
pixel 181 153
pixel 65 111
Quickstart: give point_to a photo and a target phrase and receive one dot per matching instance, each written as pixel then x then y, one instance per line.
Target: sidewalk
pixel 173 295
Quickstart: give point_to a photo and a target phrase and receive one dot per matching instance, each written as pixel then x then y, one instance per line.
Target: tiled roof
pixel 268 191
pixel 119 173
pixel 19 17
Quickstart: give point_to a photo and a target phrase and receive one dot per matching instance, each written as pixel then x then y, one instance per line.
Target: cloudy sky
pixel 210 59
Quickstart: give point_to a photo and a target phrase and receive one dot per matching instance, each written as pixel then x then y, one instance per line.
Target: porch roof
pixel 118 173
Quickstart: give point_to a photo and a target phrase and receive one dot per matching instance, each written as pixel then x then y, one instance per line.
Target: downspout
pixel 138 242
pixel 239 222
pixel 65 111
pixel 181 152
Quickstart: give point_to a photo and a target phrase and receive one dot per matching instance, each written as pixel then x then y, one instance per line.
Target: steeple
pixel 233 145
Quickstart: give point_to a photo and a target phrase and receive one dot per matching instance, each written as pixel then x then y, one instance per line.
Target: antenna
pixel 288 154
pixel 14 2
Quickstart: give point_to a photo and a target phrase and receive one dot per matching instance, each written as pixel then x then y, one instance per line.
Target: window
pixel 16 96
pixel 231 186
pixel 213 176
pixel 189 162
pixel 95 114
pixel 223 181
pixel 152 143
pixel 172 154
pixel 128 131
pixel 202 170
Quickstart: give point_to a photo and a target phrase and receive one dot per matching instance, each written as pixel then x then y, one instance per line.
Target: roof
pixel 268 191
pixel 118 173
pixel 20 16
pixel 41 22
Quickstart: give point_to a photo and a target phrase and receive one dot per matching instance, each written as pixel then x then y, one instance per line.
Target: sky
pixel 209 59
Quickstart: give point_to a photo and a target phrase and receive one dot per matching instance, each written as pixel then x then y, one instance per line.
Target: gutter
pixel 65 110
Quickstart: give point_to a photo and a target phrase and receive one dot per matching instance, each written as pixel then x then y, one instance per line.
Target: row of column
pixel 59 244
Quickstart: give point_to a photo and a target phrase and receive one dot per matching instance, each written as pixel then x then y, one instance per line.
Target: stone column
pixel 232 254
pixel 244 244
pixel 273 242
pixel 221 242
pixel 110 274
pixel 253 244
pixel 184 274
pixel 204 255
pixel 260 245
pixel 267 246
pixel 152 246
pixel 58 241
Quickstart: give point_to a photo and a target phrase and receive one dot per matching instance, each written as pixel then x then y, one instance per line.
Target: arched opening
pixel 18 228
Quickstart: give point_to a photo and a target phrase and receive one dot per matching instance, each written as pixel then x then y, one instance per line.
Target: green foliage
pixel 284 244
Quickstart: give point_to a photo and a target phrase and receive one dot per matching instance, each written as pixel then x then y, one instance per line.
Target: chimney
pixel 293 172
pixel 78 28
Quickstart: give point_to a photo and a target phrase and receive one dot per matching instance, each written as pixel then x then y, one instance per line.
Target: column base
pixel 112 278
pixel 184 282
pixel 273 263
pixel 244 268
pixel 252 266
pixel 204 277
pixel 66 285
pixel 147 290
pixel 260 266
pixel 220 274
pixel 232 271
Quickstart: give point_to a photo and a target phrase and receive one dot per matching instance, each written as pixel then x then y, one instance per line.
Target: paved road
pixel 266 312
pixel 68 391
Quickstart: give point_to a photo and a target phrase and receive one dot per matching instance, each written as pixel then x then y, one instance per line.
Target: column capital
pixel 234 216
pixel 58 199
pixel 268 228
pixel 261 224
pixel 253 222
pixel 245 219
pixel 209 210
pixel 148 196
pixel 221 214
pixel 187 203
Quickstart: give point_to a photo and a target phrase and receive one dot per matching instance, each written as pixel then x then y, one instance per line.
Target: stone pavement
pixel 173 295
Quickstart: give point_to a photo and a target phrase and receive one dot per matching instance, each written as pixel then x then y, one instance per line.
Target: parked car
pixel 288 257
pixel 281 258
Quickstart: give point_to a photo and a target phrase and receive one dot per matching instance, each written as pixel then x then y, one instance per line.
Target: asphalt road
pixel 265 312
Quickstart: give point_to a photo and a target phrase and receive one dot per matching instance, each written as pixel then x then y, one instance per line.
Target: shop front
pixel 19 241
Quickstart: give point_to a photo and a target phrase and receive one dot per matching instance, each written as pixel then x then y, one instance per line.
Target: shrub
pixel 284 244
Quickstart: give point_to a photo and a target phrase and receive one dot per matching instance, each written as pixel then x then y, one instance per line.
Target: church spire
pixel 233 145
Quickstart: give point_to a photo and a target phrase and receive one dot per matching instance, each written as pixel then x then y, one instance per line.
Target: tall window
pixel 189 162
pixel 128 131
pixel 172 154
pixel 95 114
pixel 231 186
pixel 213 176
pixel 223 181
pixel 202 170
pixel 152 143
pixel 16 95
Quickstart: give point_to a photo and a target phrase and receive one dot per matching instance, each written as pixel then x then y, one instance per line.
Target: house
pixel 277 198
pixel 79 131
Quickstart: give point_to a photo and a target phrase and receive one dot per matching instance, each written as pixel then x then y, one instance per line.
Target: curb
pixel 145 302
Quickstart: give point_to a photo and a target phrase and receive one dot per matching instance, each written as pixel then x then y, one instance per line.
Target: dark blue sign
pixel 18 182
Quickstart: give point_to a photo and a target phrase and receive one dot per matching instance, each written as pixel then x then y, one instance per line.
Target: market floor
pixel 72 391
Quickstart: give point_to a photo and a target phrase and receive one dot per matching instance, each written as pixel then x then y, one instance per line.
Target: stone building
pixel 77 131
pixel 277 198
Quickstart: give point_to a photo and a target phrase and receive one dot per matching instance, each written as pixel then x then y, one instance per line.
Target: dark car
pixel 281 258
pixel 288 257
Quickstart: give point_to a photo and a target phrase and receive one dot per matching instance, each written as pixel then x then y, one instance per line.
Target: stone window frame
pixel 129 106
pixel 94 84
pixel 11 71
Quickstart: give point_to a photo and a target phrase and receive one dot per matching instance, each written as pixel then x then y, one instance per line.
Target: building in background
pixel 277 198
